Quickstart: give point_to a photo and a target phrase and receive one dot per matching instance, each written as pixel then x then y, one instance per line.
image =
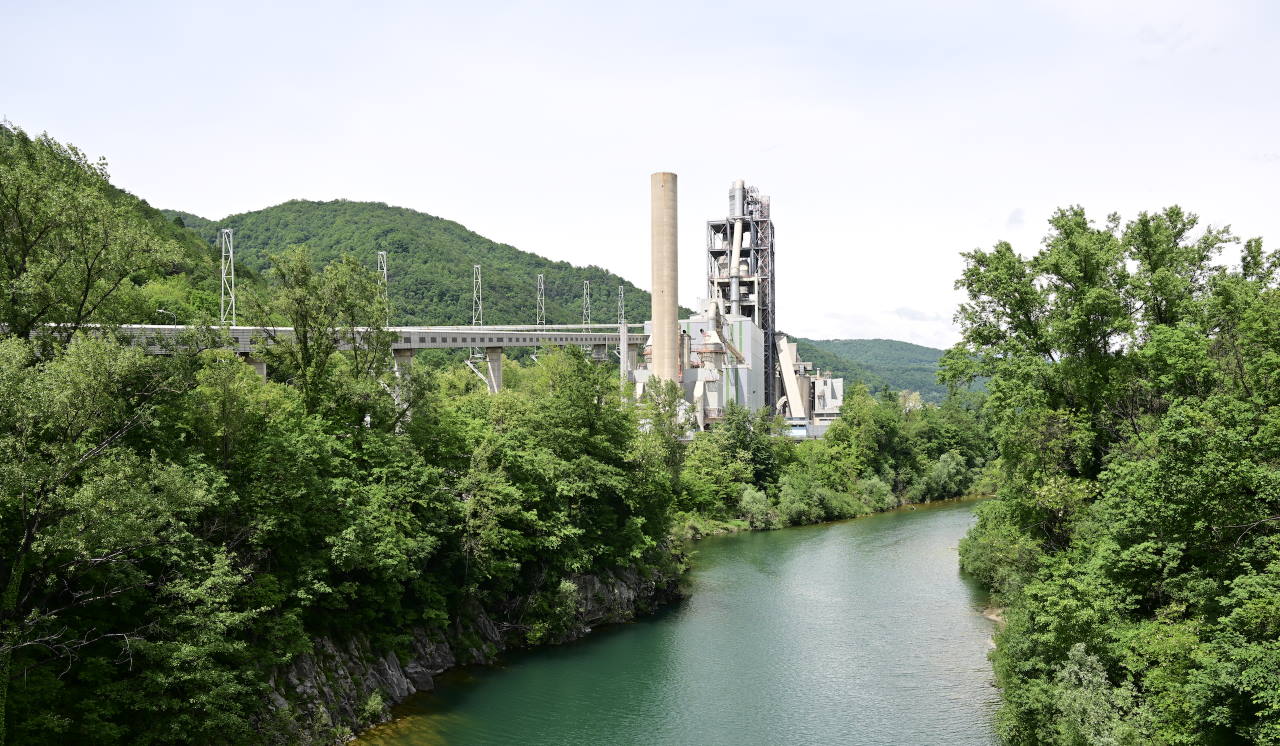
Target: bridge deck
pixel 411 337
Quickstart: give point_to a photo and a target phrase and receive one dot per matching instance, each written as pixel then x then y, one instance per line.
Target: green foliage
pixel 1135 538
pixel 881 452
pixel 901 366
pixel 758 510
pixel 72 248
pixel 174 527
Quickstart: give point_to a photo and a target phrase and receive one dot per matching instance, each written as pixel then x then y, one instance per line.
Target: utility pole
pixel 386 295
pixel 542 300
pixel 227 306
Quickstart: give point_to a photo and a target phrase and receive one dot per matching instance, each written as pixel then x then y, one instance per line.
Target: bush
pixel 840 505
pixel 797 505
pixel 554 612
pixel 371 710
pixel 946 477
pixel 758 509
pixel 875 494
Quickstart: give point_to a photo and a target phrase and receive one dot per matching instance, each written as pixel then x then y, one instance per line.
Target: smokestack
pixel 666 331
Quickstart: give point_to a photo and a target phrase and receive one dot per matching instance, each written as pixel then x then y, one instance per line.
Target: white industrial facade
pixel 728 351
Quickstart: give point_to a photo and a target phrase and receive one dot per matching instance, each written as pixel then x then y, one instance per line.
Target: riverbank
pixel 694 526
pixel 342 687
pixel 857 629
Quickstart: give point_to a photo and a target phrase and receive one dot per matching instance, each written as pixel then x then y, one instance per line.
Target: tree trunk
pixel 8 605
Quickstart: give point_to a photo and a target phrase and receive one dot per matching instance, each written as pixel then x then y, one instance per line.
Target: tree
pixel 80 508
pixel 70 246
pixel 1131 392
pixel 339 308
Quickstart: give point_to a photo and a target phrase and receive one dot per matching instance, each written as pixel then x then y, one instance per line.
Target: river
pixel 860 632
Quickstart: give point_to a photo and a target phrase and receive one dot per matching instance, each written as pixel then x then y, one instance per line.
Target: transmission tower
pixel 477 304
pixel 542 300
pixel 586 304
pixel 622 307
pixel 226 242
pixel 386 295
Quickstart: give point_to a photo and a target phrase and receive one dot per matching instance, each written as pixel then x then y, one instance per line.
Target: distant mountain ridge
pixel 899 365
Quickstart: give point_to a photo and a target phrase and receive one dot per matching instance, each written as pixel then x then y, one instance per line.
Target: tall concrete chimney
pixel 666 330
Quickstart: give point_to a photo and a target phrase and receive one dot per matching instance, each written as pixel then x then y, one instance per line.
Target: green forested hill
pixel 429 262
pixel 196 223
pixel 837 365
pixel 900 365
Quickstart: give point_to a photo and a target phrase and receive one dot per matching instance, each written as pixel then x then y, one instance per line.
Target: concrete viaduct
pixel 159 338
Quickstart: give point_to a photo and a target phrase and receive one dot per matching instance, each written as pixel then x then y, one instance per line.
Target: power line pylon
pixel 227 306
pixel 586 304
pixel 542 300
pixel 477 305
pixel 386 294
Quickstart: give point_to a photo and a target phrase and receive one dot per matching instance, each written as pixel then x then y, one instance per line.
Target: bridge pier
pixel 599 352
pixel 493 357
pixel 258 366
pixel 402 359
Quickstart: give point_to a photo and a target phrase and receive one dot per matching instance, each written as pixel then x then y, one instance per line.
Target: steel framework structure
pixel 740 270
pixel 227 305
pixel 386 293
pixel 542 301
pixel 477 304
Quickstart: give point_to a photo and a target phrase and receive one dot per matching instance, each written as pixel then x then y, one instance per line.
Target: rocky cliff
pixel 327 695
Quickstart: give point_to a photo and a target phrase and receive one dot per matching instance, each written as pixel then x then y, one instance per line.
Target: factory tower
pixel 740 271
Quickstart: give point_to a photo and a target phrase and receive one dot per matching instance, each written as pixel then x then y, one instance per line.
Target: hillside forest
pixel 174 528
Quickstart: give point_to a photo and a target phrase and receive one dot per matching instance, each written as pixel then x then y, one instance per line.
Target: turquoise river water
pixel 861 632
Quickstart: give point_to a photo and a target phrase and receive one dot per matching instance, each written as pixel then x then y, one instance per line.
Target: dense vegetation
pixel 901 366
pixel 173 527
pixel 883 451
pixel 1135 542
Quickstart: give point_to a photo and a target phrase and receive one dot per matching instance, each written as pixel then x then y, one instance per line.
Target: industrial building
pixel 730 349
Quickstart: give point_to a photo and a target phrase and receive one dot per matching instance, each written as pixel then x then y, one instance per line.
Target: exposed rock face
pixel 325 696
pixel 617 598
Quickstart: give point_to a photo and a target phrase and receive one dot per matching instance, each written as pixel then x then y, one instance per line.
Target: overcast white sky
pixel 891 135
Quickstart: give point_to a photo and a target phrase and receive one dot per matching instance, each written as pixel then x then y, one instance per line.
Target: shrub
pixel 841 504
pixel 758 509
pixel 875 494
pixel 797 505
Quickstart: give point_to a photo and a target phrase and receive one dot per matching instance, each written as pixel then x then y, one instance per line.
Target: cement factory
pixel 730 349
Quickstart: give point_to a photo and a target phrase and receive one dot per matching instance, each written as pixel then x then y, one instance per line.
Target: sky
pixel 890 136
